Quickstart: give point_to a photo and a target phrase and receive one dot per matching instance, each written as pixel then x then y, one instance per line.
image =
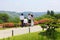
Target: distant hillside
pixel 12 14
pixel 15 14
pixel 36 14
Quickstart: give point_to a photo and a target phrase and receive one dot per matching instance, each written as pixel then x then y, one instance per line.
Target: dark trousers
pixel 29 21
pixel 22 24
pixel 25 24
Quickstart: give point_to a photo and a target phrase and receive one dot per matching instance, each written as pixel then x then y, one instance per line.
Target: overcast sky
pixel 30 5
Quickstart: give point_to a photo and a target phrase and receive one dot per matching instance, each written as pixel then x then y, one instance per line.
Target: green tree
pixel 48 12
pixel 52 13
pixel 4 17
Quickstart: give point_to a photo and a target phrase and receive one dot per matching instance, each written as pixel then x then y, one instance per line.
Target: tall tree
pixel 48 12
pixel 52 13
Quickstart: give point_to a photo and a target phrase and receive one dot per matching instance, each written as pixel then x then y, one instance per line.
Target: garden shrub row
pixel 10 25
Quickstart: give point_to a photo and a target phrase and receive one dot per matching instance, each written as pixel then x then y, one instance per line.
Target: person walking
pixel 32 20
pixel 29 19
pixel 22 19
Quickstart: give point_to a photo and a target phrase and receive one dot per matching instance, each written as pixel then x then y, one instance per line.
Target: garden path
pixel 18 31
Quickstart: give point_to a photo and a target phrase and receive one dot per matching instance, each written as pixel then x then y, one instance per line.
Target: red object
pixel 43 21
pixel 9 24
pixel 36 22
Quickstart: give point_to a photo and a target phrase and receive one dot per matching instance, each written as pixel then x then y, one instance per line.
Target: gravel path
pixel 18 31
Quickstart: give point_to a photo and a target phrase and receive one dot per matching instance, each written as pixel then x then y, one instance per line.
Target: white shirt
pixel 25 21
pixel 29 17
pixel 21 17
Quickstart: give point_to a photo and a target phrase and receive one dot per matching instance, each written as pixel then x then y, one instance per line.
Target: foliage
pixel 36 22
pixel 57 16
pixel 4 17
pixel 17 20
pixel 48 12
pixel 8 25
pixel 52 13
pixel 52 20
pixel 44 16
pixel 45 20
pixel 43 26
pixel 1 21
pixel 17 24
pixel 14 20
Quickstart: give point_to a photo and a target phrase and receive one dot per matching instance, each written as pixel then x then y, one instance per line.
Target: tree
pixel 4 17
pixel 52 13
pixel 48 12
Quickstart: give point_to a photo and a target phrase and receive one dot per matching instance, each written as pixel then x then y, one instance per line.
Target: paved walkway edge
pixel 17 31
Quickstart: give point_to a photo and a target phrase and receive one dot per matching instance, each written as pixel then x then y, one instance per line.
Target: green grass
pixel 36 36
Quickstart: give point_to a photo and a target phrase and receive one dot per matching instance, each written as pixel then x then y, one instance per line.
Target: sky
pixel 29 5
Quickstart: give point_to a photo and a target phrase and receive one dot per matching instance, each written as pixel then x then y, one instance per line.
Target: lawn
pixel 37 36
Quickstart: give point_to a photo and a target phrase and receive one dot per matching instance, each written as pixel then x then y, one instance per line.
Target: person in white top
pixel 29 19
pixel 22 19
pixel 25 21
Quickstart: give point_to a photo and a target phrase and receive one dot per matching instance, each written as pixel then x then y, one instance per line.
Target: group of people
pixel 27 20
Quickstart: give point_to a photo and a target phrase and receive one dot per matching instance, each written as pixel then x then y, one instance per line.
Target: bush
pixel 36 22
pixel 43 26
pixel 4 17
pixel 17 24
pixel 45 20
pixel 1 21
pixel 1 25
pixel 9 25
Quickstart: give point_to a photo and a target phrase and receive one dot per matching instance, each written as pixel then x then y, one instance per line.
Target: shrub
pixel 36 22
pixel 43 26
pixel 1 21
pixel 1 25
pixel 9 25
pixel 17 24
pixel 45 20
